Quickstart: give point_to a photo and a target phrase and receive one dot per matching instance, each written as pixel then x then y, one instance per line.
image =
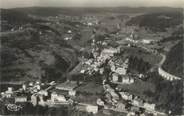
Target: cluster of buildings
pixel 51 95
pixel 118 67
pixel 114 99
pixel 54 95
pixel 123 101
pixel 119 71
pixel 93 65
pixel 132 39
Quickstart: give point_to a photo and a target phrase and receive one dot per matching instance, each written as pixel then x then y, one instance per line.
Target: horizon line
pixel 96 7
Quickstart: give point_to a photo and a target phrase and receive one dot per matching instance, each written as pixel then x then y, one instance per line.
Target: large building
pixel 121 79
pixel 68 86
pixel 118 66
pixel 56 97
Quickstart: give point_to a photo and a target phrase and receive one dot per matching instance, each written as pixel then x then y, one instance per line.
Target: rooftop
pixel 60 92
pixel 68 85
pixel 91 87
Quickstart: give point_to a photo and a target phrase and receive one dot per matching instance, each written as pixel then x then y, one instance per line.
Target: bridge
pixel 166 75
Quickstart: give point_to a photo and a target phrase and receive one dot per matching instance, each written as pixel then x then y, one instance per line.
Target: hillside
pixel 15 18
pixel 174 62
pixel 30 55
pixel 157 22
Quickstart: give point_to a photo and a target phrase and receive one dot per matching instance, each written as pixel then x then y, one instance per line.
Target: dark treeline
pixel 138 64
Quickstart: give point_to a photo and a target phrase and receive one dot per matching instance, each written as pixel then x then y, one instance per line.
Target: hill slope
pixel 30 56
pixel 174 62
pixel 157 21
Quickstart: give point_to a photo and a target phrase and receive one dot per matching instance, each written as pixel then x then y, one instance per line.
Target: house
pixel 92 108
pixel 89 24
pixel 100 102
pixel 69 31
pixel 146 41
pixel 9 92
pixel 101 70
pixel 69 86
pixel 120 79
pixel 82 71
pixel 120 106
pixel 72 93
pixel 127 80
pixel 114 95
pixel 42 102
pixel 34 99
pixel 121 70
pixel 109 52
pixel 55 97
pixel 118 66
pixel 87 108
pixel 43 92
pixel 126 95
pixel 67 38
pixel 115 77
pixel 38 87
pixel 24 87
pixel 135 109
pixel 149 106
pixel 137 101
pixel 31 84
pixel 113 68
pixel 20 99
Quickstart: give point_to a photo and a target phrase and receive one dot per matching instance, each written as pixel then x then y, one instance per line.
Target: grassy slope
pixel 174 62
pixel 30 56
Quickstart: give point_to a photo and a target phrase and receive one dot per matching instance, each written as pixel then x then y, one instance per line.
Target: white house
pixel 92 108
pixel 121 71
pixel 72 93
pixel 42 92
pixel 9 92
pixel 149 106
pixel 100 102
pixel 109 52
pixel 87 108
pixel 57 97
pixel 115 77
pixel 34 99
pixel 126 95
pixel 146 41
pixel 21 99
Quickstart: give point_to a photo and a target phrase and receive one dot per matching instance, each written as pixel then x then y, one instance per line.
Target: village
pixel 55 94
pixel 94 63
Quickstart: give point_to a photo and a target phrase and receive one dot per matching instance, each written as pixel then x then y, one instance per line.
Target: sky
pixel 90 3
